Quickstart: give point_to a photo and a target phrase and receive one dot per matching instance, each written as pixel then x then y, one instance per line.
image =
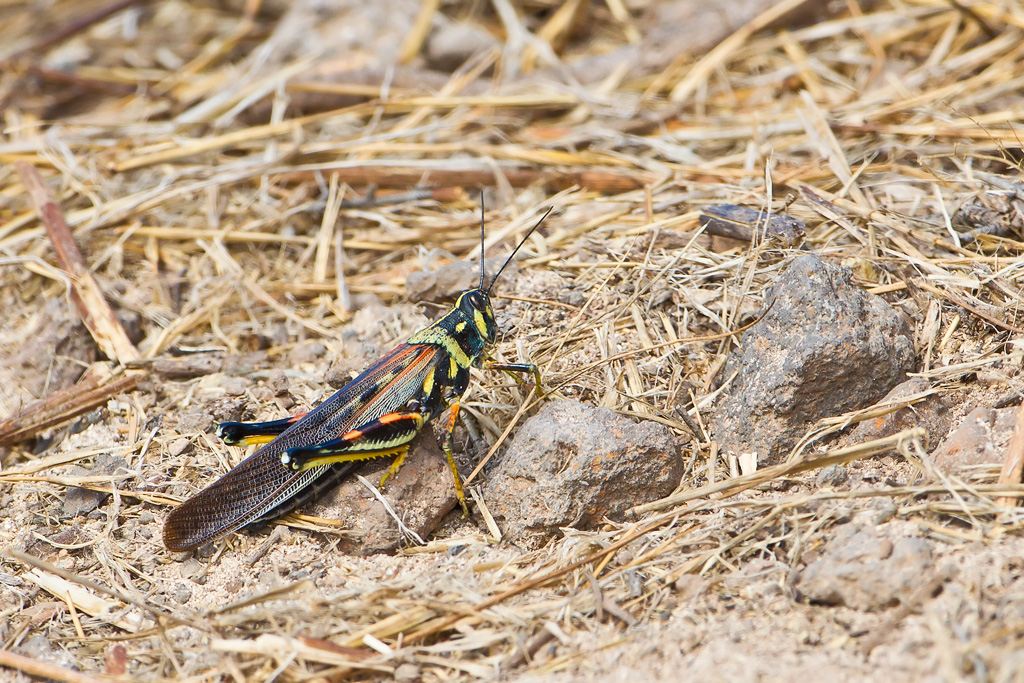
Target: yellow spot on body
pixel 438 336
pixel 453 369
pixel 455 351
pixel 428 383
pixel 481 324
pixel 460 326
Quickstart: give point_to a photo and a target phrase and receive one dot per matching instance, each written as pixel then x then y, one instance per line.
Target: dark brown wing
pixel 260 486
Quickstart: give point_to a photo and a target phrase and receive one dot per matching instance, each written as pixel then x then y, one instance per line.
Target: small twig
pixel 1013 465
pixel 801 464
pixel 406 531
pixel 595 588
pixel 85 291
pixel 84 82
pixel 62 406
pixel 417 35
pixel 45 566
pixel 76 25
pixel 609 182
pixel 528 649
pixel 45 670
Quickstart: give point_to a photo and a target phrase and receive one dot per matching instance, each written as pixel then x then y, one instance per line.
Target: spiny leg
pixel 249 433
pixel 396 465
pixel 522 368
pixel 389 434
pixel 446 445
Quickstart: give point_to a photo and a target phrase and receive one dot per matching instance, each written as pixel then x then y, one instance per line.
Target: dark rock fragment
pixel 824 348
pixel 421 494
pixel 78 501
pixel 980 439
pixel 573 465
pixel 743 223
pixel 932 413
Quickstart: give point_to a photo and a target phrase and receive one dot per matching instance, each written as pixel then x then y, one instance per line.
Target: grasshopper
pixel 375 415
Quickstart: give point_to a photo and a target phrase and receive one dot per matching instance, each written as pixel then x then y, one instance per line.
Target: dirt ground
pixel 258 190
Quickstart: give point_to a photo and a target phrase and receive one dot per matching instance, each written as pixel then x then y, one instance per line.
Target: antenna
pixel 521 243
pixel 482 265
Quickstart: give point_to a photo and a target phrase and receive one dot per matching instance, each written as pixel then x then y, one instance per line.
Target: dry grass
pixel 875 126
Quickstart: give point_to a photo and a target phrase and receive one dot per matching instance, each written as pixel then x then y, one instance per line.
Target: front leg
pixel 520 368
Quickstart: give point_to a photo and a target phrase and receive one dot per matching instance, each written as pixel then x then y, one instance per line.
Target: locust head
pixel 475 304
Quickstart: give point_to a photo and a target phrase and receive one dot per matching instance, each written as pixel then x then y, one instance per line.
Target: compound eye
pixel 476 300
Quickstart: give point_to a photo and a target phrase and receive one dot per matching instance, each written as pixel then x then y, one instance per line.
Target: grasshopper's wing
pixel 260 487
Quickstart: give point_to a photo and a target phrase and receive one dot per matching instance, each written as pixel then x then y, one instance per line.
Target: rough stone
pixel 38 646
pixel 932 413
pixel 572 465
pixel 863 569
pixel 980 439
pixel 306 352
pixel 179 446
pixel 452 43
pixel 182 593
pixel 831 476
pixel 421 494
pixel 406 673
pixel 234 386
pixel 78 502
pixel 824 348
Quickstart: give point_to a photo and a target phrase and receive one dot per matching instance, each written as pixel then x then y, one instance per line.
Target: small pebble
pixel 234 386
pixel 182 593
pixel 833 475
pixel 406 673
pixel 178 446
pixel 191 567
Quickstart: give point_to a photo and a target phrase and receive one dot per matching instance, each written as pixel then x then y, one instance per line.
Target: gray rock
pixel 38 646
pixel 863 569
pixel 572 465
pixel 824 348
pixel 79 502
pixel 183 593
pixel 306 352
pixel 831 476
pixel 452 43
pixel 932 413
pixel 979 440
pixel 406 673
pixel 421 494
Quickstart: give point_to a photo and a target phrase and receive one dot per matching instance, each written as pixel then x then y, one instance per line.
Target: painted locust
pixel 375 415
